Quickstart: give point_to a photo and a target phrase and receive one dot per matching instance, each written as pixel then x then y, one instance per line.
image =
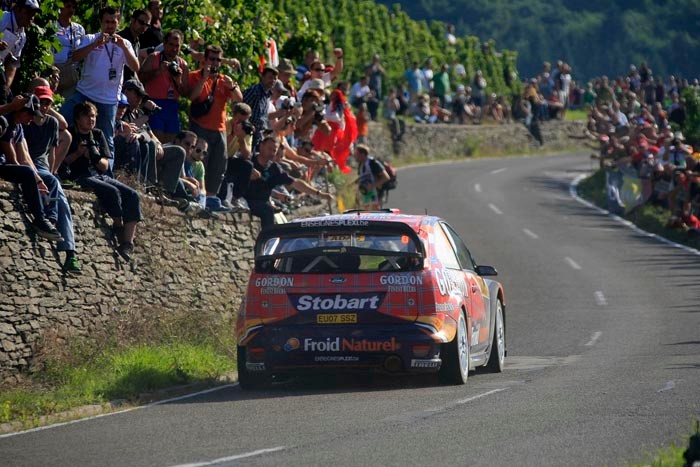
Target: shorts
pixel 168 119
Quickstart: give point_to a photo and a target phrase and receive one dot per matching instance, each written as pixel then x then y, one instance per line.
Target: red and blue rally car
pixel 372 290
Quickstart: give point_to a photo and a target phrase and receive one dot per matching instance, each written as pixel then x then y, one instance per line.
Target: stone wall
pixel 180 263
pixel 434 141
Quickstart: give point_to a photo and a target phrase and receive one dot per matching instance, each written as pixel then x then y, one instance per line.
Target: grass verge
pixel 647 217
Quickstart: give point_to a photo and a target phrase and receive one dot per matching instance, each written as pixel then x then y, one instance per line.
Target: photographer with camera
pixel 165 76
pixel 162 165
pixel 13 37
pixel 210 91
pixel 313 113
pixel 239 168
pixel 259 97
pixel 87 163
pixel 104 55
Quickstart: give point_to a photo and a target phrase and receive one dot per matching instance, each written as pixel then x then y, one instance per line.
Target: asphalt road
pixel 603 367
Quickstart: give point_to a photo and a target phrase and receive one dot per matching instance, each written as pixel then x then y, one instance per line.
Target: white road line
pixel 572 192
pixel 233 458
pixel 600 298
pixel 497 171
pixel 477 188
pixel 421 414
pixel 669 385
pixel 119 412
pixel 531 234
pixel 594 338
pixel 572 263
pixel 495 209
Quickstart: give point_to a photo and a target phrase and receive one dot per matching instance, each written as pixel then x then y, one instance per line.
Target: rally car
pixel 368 291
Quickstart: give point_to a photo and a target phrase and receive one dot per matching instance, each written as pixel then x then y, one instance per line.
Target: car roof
pixel 415 221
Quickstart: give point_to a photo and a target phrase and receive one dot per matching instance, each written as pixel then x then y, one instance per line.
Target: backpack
pixel 391 171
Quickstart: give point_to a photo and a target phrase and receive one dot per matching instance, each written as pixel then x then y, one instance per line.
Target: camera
pixel 93 151
pixel 151 110
pixel 248 128
pixel 111 39
pixel 318 117
pixel 174 69
pixel 287 104
pixel 214 70
pixel 318 107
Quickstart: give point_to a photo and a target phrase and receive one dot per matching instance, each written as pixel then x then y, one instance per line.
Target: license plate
pixel 337 318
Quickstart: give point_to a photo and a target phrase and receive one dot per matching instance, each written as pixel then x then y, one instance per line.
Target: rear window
pixel 336 252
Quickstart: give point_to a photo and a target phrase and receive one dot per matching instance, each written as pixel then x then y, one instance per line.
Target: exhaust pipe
pixel 393 364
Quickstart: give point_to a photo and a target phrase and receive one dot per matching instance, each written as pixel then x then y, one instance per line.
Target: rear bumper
pixel 393 349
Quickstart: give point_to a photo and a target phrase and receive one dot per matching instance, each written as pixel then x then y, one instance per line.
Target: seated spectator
pixel 493 110
pixel 238 168
pixel 87 163
pixel 21 172
pixel 360 92
pixel 463 107
pixel 272 175
pixel 420 110
pixel 437 113
pixel 41 136
pixel 64 137
pixel 362 116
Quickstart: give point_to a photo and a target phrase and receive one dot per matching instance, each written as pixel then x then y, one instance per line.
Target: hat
pixel 43 92
pixel 316 84
pixel 123 100
pixel 270 68
pixel 286 66
pixel 679 136
pixel 31 4
pixel 32 105
pixel 460 88
pixel 135 85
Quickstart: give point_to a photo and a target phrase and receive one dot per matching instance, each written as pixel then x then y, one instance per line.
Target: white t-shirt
pixel 15 36
pixel 327 81
pixel 358 91
pixel 94 81
pixel 69 37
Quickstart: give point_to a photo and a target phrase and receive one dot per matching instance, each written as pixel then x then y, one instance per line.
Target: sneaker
pixel 72 266
pixel 46 230
pixel 214 205
pixel 193 208
pixel 241 205
pixel 182 203
pixel 227 204
pixel 124 250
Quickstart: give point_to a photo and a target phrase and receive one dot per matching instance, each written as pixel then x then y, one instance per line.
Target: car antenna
pixel 426 211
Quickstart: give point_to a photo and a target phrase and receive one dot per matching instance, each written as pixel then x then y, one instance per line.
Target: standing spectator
pixel 87 161
pixel 362 116
pixel 564 87
pixel 153 36
pixel 13 25
pixel 318 71
pixel 375 71
pixel 140 19
pixel 414 76
pixel 239 167
pixel 258 97
pixel 371 177
pixel 428 76
pixel 272 175
pixel 104 55
pixel 441 85
pixel 32 186
pixel 479 89
pixel 69 35
pixel 165 75
pixel 41 136
pixel 208 83
pixel 359 92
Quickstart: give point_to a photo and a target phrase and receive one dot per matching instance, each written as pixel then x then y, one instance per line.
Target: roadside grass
pixel 577 114
pixel 671 456
pixel 647 217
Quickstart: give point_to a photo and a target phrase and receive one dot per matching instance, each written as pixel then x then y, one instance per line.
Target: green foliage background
pixel 241 27
pixel 597 36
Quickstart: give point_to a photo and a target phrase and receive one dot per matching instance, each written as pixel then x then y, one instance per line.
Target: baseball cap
pixel 43 92
pixel 123 100
pixel 317 84
pixel 135 85
pixel 31 4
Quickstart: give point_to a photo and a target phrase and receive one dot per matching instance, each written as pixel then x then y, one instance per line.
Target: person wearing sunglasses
pixel 318 71
pixel 209 84
pixel 140 21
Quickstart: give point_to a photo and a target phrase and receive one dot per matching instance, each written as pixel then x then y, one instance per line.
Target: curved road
pixel 603 339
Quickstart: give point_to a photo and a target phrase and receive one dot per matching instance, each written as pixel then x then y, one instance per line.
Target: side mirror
pixel 486 271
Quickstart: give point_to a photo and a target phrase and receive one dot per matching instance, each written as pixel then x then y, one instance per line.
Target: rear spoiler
pixel 337 225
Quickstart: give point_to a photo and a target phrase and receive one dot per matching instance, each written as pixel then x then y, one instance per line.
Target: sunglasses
pixel 201 151
pixel 317 69
pixel 214 60
pixel 142 22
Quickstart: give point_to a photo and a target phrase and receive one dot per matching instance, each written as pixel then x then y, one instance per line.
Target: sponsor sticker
pixel 349 345
pixel 274 281
pixel 337 302
pixel 336 358
pixel 334 223
pixel 255 366
pixel 337 318
pixel 425 363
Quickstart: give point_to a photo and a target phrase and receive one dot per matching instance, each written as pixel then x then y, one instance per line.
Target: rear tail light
pixel 421 350
pixel 256 354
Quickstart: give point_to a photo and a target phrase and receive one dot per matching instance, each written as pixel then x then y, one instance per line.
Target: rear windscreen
pixel 339 252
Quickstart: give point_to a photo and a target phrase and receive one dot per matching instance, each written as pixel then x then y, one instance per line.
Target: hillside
pixel 596 37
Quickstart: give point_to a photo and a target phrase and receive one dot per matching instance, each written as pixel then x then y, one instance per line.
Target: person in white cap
pixel 13 25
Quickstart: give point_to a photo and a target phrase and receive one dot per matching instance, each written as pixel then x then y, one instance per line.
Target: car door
pixel 477 289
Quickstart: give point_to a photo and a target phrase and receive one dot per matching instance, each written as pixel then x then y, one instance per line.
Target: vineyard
pixel 244 27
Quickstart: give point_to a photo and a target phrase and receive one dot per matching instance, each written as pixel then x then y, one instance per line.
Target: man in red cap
pixel 41 136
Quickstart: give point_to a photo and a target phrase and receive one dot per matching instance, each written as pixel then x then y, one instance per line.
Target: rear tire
pixel 251 380
pixel 497 356
pixel 455 356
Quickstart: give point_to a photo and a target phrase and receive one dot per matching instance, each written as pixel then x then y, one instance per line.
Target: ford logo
pixel 338 280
